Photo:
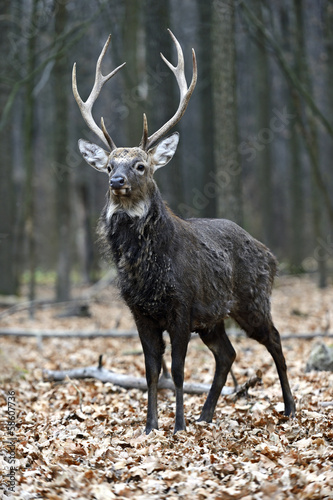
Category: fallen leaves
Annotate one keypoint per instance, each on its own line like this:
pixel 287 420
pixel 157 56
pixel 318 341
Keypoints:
pixel 84 439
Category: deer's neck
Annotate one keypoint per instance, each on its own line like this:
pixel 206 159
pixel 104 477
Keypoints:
pixel 147 223
pixel 142 249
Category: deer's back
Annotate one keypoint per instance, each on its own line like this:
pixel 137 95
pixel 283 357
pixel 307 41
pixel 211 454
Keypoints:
pixel 230 242
pixel 233 271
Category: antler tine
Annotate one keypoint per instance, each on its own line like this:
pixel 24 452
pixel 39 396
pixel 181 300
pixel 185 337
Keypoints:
pixel 185 92
pixel 179 70
pixel 107 136
pixel 86 106
pixel 144 139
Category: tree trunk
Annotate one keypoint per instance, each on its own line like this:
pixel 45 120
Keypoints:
pixel 8 276
pixel 296 248
pixel 264 159
pixel 297 201
pixel 62 179
pixel 310 134
pixel 206 121
pixel 131 75
pixel 227 164
pixel 29 105
pixel 328 146
pixel 85 242
pixel 162 92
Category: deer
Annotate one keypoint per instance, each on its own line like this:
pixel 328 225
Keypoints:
pixel 178 275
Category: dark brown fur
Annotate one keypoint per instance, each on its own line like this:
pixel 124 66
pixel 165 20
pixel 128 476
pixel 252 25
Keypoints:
pixel 189 275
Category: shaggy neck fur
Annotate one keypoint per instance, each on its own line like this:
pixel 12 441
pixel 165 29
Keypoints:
pixel 138 209
pixel 139 246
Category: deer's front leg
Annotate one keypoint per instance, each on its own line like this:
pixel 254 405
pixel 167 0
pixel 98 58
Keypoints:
pixel 153 348
pixel 179 345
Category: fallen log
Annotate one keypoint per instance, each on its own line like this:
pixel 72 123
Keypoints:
pixel 125 381
pixel 131 382
pixel 83 334
pixel 115 333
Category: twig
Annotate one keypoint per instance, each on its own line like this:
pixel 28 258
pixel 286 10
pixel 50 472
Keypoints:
pixel 73 37
pixel 68 379
pixel 290 74
pixel 243 389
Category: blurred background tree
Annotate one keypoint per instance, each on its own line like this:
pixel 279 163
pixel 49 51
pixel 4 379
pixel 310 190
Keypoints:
pixel 256 141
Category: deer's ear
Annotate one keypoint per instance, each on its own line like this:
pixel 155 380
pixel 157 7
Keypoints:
pixel 161 154
pixel 95 156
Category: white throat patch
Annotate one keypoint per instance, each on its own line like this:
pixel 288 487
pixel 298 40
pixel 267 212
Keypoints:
pixel 139 209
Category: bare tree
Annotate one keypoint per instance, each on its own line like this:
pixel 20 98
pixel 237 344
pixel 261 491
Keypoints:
pixel 8 276
pixel 309 131
pixel 63 208
pixel 159 103
pixel 227 164
pixel 264 161
pixel 205 91
pixel 291 46
pixel 29 160
pixel 131 54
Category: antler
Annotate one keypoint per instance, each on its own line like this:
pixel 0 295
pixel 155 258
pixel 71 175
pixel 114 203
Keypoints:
pixel 185 95
pixel 86 107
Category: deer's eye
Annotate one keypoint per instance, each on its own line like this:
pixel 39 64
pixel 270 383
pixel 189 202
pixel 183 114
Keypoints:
pixel 140 167
pixel 109 168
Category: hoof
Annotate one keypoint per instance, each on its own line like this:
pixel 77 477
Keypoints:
pixel 179 427
pixel 150 428
pixel 204 418
pixel 179 430
pixel 290 410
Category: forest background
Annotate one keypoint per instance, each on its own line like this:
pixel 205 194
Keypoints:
pixel 255 143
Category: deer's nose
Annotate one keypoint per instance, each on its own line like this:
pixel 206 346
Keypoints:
pixel 117 181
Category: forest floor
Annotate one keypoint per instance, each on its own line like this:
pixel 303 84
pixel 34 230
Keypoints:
pixel 82 439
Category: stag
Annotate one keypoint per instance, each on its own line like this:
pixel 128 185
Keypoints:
pixel 177 275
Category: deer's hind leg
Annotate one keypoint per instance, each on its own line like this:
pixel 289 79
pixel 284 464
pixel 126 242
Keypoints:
pixel 261 328
pixel 218 342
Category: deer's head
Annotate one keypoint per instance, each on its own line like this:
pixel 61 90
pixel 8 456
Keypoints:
pixel 131 170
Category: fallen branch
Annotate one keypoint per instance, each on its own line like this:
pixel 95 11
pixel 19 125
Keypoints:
pixel 305 336
pixel 17 332
pixel 115 333
pixel 242 390
pixel 41 304
pixel 125 381
pixel 87 295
